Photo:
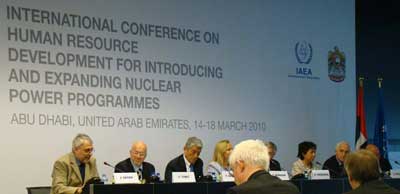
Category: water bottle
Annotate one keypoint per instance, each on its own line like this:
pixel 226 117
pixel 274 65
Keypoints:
pixel 306 174
pixel 104 178
pixel 158 176
pixel 155 178
pixel 214 177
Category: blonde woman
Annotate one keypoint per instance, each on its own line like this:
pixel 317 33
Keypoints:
pixel 220 159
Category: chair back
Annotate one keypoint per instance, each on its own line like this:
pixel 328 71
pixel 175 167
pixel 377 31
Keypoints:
pixel 39 190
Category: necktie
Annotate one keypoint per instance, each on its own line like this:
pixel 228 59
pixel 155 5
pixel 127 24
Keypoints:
pixel 191 168
pixel 140 174
pixel 82 171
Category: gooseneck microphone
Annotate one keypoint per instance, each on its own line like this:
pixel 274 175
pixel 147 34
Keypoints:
pixel 115 168
pixel 319 164
pixel 331 170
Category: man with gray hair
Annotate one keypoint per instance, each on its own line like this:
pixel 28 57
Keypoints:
pixel 335 163
pixel 73 170
pixel 189 161
pixel 249 161
pixel 273 164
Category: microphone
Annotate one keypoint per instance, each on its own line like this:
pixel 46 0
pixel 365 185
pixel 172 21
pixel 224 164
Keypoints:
pixel 338 174
pixel 396 162
pixel 115 168
pixel 319 164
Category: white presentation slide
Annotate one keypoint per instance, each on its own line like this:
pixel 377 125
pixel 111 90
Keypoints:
pixel 162 71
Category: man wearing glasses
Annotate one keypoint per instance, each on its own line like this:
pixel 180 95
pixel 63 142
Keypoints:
pixel 73 170
pixel 136 162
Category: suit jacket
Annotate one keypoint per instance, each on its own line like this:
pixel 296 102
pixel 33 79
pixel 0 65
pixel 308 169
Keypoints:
pixel 67 177
pixel 374 187
pixel 126 166
pixel 384 164
pixel 261 182
pixel 274 165
pixel 336 170
pixel 178 165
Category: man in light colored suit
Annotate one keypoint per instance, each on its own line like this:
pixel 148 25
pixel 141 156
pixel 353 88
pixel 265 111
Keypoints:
pixel 71 171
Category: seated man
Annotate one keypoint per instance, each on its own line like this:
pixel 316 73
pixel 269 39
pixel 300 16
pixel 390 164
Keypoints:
pixel 335 163
pixel 73 170
pixel 273 164
pixel 383 163
pixel 136 162
pixel 189 161
pixel 362 168
pixel 249 161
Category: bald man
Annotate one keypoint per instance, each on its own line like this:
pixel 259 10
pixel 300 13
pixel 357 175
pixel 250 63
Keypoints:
pixel 383 163
pixel 136 162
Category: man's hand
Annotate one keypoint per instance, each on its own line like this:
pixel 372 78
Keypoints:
pixel 79 190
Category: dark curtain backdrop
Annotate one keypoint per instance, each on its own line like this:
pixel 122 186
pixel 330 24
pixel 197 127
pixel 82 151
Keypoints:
pixel 378 54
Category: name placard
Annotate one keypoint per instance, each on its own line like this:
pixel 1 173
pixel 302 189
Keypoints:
pixel 183 177
pixel 126 177
pixel 395 174
pixel 283 175
pixel 320 174
pixel 227 176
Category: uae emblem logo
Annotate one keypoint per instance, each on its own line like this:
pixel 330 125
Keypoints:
pixel 336 65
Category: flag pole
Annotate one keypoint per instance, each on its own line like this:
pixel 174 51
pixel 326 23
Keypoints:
pixel 360 81
pixel 380 82
pixel 380 134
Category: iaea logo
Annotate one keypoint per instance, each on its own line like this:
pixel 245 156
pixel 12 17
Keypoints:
pixel 304 52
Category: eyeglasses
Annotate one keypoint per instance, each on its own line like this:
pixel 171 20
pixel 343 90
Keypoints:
pixel 88 150
pixel 141 154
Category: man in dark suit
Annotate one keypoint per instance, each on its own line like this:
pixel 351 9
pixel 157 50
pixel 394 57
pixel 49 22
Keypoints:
pixel 362 169
pixel 189 161
pixel 384 164
pixel 248 160
pixel 273 164
pixel 136 162
pixel 335 163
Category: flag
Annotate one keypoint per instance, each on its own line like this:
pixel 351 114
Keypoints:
pixel 380 136
pixel 361 129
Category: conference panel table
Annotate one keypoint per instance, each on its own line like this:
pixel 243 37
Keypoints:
pixel 333 186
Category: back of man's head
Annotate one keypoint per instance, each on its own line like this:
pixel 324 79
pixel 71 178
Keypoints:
pixel 362 166
pixel 251 152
